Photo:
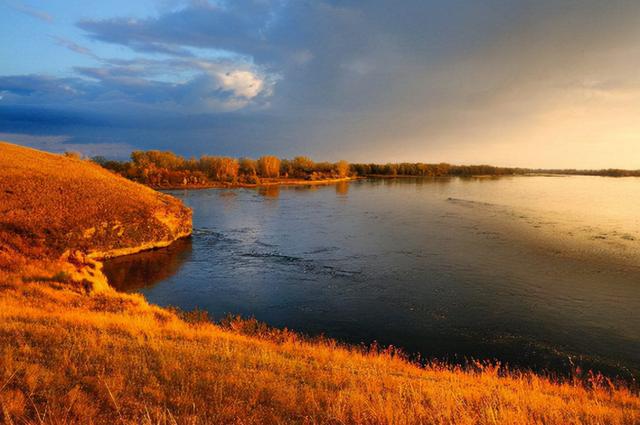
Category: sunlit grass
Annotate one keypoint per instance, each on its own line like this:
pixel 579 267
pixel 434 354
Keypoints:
pixel 69 357
pixel 50 204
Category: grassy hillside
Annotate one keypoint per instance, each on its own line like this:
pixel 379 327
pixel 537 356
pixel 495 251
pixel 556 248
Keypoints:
pixel 76 353
pixel 52 206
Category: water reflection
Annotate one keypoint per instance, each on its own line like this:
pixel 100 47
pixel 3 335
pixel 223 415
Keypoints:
pixel 145 269
pixel 271 191
pixel 342 188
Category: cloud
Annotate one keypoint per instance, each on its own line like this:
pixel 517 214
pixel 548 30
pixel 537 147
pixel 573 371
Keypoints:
pixel 201 81
pixel 27 87
pixel 429 80
pixel 236 26
pixel 73 46
pixel 30 11
pixel 197 85
pixel 241 83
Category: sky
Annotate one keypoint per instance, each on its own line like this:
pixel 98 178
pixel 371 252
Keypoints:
pixel 527 83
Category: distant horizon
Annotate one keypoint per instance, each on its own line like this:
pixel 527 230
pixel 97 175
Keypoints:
pixel 454 163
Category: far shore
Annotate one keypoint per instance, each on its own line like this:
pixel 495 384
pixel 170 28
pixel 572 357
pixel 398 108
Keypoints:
pixel 265 182
pixel 472 176
pixel 320 182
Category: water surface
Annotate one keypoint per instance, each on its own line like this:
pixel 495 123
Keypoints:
pixel 540 272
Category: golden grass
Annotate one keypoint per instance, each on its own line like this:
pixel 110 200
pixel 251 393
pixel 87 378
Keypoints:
pixel 50 204
pixel 72 354
pixel 68 357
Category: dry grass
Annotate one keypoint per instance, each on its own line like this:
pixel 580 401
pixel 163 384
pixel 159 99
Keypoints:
pixel 72 354
pixel 50 204
pixel 66 357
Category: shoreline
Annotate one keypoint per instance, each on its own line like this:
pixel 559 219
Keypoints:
pixel 323 182
pixel 268 183
pixel 532 174
pixel 472 176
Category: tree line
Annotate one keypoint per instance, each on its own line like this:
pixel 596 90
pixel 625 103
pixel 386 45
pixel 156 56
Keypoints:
pixel 420 169
pixel 158 168
pixel 163 168
pixel 609 172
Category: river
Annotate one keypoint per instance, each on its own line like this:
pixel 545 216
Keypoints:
pixel 534 271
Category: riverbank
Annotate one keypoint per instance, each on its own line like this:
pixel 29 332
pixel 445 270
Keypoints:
pixel 265 182
pixel 74 351
pixel 470 176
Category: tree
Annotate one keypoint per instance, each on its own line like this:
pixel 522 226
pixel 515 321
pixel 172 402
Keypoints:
pixel 166 159
pixel 302 166
pixel 443 169
pixel 248 167
pixel 219 168
pixel 100 160
pixel 269 166
pixel 228 169
pixel 391 169
pixel 342 168
pixel 286 168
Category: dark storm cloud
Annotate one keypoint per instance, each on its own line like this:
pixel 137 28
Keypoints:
pixel 207 86
pixel 238 26
pixel 342 53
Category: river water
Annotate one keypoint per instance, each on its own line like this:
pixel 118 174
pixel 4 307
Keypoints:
pixel 538 272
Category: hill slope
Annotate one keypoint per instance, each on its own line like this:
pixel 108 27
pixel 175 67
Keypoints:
pixel 52 206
